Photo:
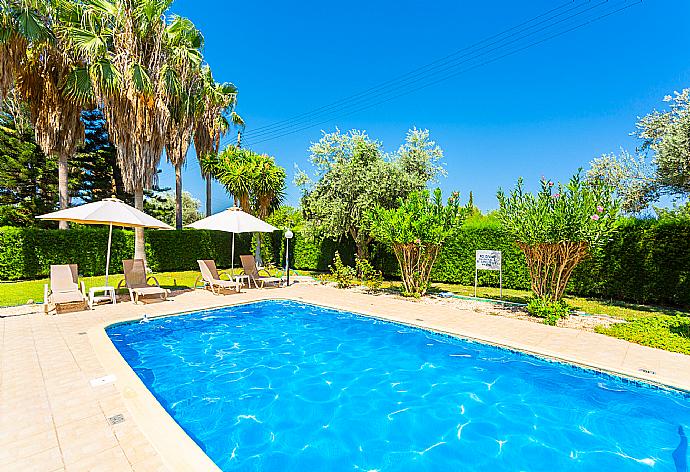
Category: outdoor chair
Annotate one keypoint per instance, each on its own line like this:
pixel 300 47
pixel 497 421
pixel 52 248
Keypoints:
pixel 138 283
pixel 212 280
pixel 253 273
pixel 64 290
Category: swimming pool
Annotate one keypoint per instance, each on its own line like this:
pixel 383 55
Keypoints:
pixel 281 385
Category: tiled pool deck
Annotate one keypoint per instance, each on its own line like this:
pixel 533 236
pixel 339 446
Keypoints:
pixel 52 419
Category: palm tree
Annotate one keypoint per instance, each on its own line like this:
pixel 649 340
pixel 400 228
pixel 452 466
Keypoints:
pixel 185 43
pixel 35 61
pixel 217 100
pixel 131 72
pixel 254 180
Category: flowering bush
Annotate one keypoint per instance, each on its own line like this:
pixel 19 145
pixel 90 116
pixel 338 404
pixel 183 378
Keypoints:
pixel 557 230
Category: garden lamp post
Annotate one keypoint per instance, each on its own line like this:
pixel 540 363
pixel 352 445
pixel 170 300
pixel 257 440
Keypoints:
pixel 288 236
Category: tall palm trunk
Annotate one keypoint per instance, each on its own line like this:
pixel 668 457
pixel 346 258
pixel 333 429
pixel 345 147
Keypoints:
pixel 178 195
pixel 208 195
pixel 139 242
pixel 63 191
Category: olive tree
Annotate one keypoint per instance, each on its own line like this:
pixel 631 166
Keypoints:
pixel 661 165
pixel 353 175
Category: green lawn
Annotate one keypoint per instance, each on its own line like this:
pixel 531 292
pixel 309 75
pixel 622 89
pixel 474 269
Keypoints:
pixel 18 293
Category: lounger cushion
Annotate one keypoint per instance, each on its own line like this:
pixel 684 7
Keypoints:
pixel 225 283
pixel 67 297
pixel 269 280
pixel 149 290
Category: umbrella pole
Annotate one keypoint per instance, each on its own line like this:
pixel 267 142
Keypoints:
pixel 232 259
pixel 107 259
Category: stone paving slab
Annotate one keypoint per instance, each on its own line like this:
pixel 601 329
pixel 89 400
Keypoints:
pixel 52 419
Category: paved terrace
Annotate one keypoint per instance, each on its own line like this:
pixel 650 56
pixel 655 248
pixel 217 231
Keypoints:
pixel 53 419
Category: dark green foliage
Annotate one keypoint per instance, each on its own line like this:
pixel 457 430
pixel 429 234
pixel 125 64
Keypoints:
pixel 550 310
pixel 312 254
pixel 179 250
pixel 647 261
pixel 27 253
pixel 671 333
pixel 28 179
pixel 94 173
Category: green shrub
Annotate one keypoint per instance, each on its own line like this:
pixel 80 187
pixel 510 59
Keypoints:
pixel 369 277
pixel 671 333
pixel 416 231
pixel 344 275
pixel 550 310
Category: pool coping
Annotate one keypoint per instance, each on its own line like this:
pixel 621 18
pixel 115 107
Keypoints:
pixel 179 451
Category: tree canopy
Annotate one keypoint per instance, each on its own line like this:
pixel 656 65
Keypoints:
pixel 162 205
pixel 352 175
pixel 661 164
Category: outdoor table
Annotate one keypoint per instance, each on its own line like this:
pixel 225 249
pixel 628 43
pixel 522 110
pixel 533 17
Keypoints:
pixel 108 295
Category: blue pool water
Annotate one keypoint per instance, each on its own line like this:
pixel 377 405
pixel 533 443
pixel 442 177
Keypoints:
pixel 285 386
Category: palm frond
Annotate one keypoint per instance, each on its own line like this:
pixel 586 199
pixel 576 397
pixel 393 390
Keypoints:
pixel 141 80
pixel 77 86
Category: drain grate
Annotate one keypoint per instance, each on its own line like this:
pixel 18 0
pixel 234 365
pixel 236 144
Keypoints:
pixel 647 371
pixel 116 419
pixel 82 333
pixel 419 319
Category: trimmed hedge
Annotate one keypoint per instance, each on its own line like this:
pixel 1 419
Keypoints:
pixel 27 253
pixel 647 261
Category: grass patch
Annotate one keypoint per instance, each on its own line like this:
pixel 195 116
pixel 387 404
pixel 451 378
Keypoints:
pixel 18 293
pixel 671 333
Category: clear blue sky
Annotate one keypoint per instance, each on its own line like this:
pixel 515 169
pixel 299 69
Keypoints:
pixel 544 111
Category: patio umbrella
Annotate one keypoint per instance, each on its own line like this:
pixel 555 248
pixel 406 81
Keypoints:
pixel 109 211
pixel 233 220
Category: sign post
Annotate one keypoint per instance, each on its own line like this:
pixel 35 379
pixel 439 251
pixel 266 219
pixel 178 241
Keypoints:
pixel 488 260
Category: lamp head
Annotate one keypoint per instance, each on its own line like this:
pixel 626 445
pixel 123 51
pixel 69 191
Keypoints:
pixel 289 234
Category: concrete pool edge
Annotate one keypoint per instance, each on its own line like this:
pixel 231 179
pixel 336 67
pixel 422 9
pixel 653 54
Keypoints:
pixel 176 448
pixel 180 452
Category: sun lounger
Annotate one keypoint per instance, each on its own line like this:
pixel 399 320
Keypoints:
pixel 253 275
pixel 64 290
pixel 138 283
pixel 211 278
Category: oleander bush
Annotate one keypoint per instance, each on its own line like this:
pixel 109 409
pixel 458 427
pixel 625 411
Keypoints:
pixel 416 231
pixel 557 228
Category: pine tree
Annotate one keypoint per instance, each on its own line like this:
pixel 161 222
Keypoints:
pixel 28 179
pixel 95 170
